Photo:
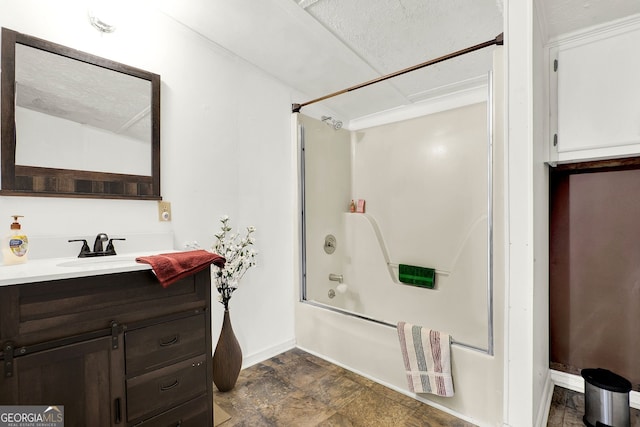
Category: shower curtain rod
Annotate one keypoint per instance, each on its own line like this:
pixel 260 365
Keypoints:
pixel 498 41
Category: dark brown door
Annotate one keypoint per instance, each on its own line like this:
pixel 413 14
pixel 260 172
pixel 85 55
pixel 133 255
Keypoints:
pixel 77 376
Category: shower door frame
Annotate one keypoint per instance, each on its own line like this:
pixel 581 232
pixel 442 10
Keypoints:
pixel 489 350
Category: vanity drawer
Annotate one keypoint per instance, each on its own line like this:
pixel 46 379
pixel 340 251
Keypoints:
pixel 165 343
pixel 195 413
pixel 150 393
pixel 46 311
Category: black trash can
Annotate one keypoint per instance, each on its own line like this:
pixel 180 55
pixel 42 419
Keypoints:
pixel 606 398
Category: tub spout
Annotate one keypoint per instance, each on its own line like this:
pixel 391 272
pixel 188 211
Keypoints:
pixel 335 277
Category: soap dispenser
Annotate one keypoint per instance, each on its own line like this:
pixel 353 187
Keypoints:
pixel 15 245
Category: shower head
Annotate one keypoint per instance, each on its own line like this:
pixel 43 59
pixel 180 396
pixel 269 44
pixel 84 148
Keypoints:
pixel 330 121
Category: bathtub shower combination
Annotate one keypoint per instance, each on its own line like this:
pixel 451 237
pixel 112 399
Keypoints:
pixel 397 219
pixel 427 186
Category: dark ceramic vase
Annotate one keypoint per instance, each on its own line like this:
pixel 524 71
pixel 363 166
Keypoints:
pixel 227 359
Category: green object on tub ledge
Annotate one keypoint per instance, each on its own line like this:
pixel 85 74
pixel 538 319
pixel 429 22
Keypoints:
pixel 417 276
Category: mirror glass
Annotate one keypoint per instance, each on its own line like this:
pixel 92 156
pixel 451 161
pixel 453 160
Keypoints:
pixel 74 115
pixel 75 124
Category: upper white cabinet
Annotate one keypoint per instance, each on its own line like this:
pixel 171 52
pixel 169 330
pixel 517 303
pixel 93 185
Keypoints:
pixel 595 94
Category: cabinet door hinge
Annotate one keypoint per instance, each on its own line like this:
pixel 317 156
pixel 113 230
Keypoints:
pixel 555 139
pixel 555 65
pixel 116 330
pixel 7 350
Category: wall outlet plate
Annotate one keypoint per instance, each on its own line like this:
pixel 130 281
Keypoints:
pixel 164 211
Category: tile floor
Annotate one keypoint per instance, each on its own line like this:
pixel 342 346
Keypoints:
pixel 567 409
pixel 298 389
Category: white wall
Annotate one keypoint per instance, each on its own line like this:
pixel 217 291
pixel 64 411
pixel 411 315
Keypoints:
pixel 226 149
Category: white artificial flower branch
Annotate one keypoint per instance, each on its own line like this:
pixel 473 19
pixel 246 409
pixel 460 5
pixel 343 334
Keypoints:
pixel 239 254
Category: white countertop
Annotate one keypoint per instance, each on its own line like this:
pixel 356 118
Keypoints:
pixel 40 270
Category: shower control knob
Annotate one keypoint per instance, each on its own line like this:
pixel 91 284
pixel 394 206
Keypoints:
pixel 329 244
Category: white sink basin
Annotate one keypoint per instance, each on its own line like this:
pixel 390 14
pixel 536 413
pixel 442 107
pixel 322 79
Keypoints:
pixel 95 261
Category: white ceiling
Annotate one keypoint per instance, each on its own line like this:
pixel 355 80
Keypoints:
pixel 323 46
pixel 559 17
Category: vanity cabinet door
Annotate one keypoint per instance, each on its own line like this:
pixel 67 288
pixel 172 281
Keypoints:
pixel 78 376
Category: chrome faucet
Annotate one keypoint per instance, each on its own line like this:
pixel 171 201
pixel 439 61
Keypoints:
pixel 97 246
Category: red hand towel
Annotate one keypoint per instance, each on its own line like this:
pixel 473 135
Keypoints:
pixel 171 267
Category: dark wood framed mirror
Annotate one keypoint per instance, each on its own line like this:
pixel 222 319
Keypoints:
pixel 76 125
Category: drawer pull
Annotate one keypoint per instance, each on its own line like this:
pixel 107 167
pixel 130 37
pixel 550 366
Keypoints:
pixel 169 342
pixel 118 411
pixel 169 387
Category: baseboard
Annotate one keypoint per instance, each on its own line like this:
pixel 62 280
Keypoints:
pixel 545 402
pixel 267 353
pixel 569 381
pixel 576 383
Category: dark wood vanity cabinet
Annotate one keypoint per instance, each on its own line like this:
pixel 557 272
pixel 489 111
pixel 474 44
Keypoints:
pixel 115 350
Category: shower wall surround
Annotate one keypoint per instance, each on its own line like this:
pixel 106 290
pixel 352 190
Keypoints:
pixel 425 182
